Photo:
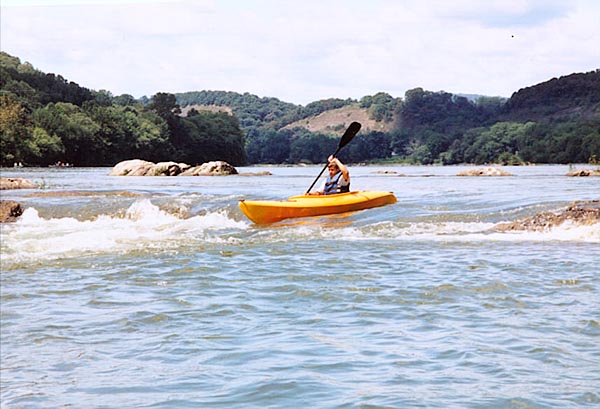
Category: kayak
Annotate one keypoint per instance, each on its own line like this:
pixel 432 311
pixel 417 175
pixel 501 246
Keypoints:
pixel 271 211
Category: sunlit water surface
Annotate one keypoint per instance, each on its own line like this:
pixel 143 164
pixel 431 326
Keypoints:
pixel 157 292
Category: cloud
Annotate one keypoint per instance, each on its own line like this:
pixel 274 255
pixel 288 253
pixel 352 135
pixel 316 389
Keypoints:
pixel 507 13
pixel 304 51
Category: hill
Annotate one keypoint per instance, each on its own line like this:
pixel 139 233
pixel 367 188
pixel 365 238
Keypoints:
pixel 556 121
pixel 575 96
pixel 335 121
pixel 44 118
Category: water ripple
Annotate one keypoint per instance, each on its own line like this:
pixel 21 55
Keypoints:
pixel 172 299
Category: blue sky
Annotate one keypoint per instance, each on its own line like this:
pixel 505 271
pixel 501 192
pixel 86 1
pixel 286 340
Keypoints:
pixel 303 51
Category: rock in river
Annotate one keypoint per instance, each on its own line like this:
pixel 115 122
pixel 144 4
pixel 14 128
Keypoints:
pixel 215 168
pixel 16 183
pixel 138 167
pixel 584 172
pixel 488 171
pixel 580 212
pixel 9 211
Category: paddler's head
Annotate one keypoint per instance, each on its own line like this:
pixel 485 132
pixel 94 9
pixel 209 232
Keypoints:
pixel 333 168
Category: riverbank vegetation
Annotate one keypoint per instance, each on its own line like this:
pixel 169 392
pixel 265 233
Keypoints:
pixel 45 118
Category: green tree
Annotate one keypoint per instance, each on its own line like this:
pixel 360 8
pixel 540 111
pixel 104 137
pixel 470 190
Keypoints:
pixel 20 140
pixel 129 132
pixel 367 146
pixel 165 105
pixel 77 131
pixel 498 143
pixel 15 129
pixel 312 148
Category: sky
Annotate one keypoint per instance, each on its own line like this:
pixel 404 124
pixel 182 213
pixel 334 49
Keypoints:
pixel 301 51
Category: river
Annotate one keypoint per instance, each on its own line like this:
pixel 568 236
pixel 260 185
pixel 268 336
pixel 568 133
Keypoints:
pixel 157 292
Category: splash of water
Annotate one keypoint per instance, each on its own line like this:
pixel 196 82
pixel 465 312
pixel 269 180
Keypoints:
pixel 142 226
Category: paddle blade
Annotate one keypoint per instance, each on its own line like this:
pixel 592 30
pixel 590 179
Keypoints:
pixel 349 134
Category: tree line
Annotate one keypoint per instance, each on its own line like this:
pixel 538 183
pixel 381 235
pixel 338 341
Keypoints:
pixel 45 118
pixel 554 122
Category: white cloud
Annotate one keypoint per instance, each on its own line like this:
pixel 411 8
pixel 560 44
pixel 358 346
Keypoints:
pixel 305 51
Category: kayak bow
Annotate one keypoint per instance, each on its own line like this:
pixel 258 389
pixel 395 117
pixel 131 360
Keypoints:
pixel 271 211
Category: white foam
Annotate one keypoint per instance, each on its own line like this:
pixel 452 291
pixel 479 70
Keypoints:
pixel 144 225
pixel 463 232
pixel 457 231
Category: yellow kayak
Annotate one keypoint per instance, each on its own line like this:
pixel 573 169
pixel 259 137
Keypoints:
pixel 270 211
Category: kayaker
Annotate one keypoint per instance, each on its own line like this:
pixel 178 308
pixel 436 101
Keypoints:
pixel 338 180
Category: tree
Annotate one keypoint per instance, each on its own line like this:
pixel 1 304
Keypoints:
pixel 368 146
pixel 15 128
pixel 129 132
pixel 77 131
pixel 165 105
pixel 498 143
pixel 20 140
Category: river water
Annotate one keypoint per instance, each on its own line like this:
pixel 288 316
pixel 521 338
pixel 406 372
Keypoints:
pixel 157 292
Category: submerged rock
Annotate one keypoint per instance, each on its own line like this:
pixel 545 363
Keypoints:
pixel 85 193
pixel 385 172
pixel 9 211
pixel 16 183
pixel 488 171
pixel 261 173
pixel 580 212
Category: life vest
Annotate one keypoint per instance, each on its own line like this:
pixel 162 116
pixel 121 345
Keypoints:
pixel 332 185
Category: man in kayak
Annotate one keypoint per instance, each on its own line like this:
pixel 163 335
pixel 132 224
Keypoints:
pixel 338 180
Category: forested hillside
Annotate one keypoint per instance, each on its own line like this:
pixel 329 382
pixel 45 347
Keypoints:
pixel 557 121
pixel 44 118
pixel 572 97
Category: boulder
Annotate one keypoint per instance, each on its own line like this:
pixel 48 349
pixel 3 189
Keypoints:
pixel 184 166
pixel 133 167
pixel 165 169
pixel 580 212
pixel 16 183
pixel 584 172
pixel 215 168
pixel 138 167
pixel 488 171
pixel 9 211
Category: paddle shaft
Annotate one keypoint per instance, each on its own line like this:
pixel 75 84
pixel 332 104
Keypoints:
pixel 347 137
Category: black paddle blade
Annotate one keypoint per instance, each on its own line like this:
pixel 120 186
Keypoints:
pixel 349 134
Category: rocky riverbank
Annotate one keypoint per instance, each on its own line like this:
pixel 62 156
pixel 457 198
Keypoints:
pixel 580 213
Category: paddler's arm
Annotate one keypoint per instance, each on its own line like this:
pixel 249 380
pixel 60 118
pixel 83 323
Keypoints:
pixel 341 166
pixel 318 192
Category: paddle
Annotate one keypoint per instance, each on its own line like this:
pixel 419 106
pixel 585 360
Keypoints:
pixel 346 137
